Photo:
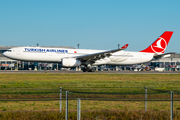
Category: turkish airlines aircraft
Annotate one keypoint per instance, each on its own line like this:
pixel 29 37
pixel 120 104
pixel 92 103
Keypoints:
pixel 77 57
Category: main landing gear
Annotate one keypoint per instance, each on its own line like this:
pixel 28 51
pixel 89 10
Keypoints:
pixel 88 69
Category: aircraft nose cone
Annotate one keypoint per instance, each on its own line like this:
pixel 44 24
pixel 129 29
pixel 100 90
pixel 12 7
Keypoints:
pixel 4 53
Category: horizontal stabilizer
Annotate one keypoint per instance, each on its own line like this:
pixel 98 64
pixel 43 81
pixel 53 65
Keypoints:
pixel 158 56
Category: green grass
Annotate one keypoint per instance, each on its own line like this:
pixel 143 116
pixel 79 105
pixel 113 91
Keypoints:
pixel 126 86
pixel 91 115
pixel 89 80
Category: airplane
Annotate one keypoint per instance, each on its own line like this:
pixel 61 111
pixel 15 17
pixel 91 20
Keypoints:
pixel 77 57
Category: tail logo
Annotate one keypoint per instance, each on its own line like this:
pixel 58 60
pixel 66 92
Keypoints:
pixel 159 46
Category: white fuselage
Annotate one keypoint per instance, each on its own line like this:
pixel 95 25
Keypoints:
pixel 43 54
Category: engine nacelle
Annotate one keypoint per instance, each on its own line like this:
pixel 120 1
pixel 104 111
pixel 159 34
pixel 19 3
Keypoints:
pixel 70 62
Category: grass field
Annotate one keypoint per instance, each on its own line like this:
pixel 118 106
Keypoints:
pixel 108 86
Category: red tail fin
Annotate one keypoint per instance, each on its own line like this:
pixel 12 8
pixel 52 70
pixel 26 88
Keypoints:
pixel 159 46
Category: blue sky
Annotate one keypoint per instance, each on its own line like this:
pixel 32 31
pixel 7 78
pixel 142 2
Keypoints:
pixel 94 24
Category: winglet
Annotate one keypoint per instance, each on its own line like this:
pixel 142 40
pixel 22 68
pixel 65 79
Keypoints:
pixel 125 46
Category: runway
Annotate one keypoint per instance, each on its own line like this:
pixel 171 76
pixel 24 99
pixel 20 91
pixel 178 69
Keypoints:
pixel 80 72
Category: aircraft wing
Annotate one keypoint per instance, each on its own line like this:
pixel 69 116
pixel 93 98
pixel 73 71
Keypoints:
pixel 156 56
pixel 96 56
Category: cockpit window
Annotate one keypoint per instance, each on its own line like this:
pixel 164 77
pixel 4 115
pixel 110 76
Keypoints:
pixel 9 50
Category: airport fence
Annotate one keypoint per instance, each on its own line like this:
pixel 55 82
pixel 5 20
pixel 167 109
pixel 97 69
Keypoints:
pixel 129 94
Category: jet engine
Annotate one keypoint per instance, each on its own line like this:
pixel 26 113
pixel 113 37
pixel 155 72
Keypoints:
pixel 70 62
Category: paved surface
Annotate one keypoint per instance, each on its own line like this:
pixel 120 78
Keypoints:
pixel 97 72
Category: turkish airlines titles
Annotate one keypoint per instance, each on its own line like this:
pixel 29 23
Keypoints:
pixel 45 50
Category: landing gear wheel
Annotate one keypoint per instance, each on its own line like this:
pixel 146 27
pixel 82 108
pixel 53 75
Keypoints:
pixel 84 69
pixel 87 69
